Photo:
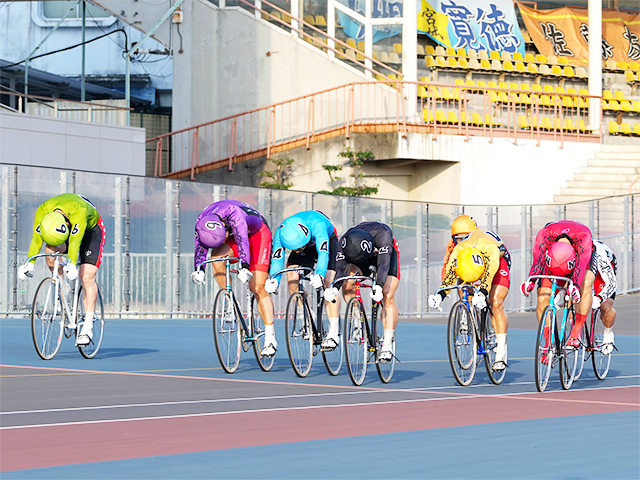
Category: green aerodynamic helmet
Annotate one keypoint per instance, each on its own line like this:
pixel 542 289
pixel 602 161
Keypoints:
pixel 54 229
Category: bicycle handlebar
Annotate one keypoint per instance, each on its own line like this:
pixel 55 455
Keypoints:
pixel 292 269
pixel 460 286
pixel 219 259
pixel 362 278
pixel 553 277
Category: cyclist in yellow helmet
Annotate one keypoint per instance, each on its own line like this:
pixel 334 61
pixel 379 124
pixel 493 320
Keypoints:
pixel 462 226
pixel 482 256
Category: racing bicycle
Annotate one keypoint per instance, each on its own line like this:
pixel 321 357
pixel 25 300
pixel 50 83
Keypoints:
pixel 592 346
pixel 53 314
pixel 304 332
pixel 551 341
pixel 363 339
pixel 234 329
pixel 470 336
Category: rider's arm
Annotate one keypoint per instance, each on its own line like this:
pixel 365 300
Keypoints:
pixel 199 255
pixel 583 245
pixel 236 221
pixel 447 254
pixel 36 239
pixel 384 243
pixel 450 277
pixel 491 254
pixel 277 256
pixel 544 239
pixel 320 236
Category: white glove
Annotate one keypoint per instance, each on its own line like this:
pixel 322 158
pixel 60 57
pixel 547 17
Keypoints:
pixel 596 302
pixel 479 300
pixel 435 301
pixel 244 275
pixel 317 281
pixel 71 271
pixel 25 270
pixel 330 294
pixel 376 293
pixel 197 277
pixel 271 285
pixel 575 293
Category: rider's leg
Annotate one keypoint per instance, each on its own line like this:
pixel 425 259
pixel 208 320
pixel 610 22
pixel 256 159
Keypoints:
pixel 333 308
pixel 390 319
pixel 583 308
pixel 608 315
pixel 87 273
pixel 265 305
pixel 500 320
pixel 544 296
pixel 50 260
pixel 219 268
pixel 349 286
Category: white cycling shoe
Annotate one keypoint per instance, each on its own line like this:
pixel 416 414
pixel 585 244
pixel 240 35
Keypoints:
pixel 329 344
pixel 269 351
pixel 608 343
pixel 385 356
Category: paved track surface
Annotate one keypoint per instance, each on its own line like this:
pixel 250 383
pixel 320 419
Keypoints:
pixel 155 404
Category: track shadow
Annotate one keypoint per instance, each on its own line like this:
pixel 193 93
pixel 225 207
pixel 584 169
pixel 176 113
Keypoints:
pixel 124 352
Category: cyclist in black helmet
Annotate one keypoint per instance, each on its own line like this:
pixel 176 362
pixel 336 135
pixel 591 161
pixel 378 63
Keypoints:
pixel 366 244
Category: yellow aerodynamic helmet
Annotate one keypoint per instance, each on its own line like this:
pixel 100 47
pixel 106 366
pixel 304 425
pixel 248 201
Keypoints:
pixel 470 265
pixel 463 224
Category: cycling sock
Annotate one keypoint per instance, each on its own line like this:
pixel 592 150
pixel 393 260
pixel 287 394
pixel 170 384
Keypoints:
pixel 270 334
pixel 388 337
pixel 576 331
pixel 501 347
pixel 87 328
pixel 334 326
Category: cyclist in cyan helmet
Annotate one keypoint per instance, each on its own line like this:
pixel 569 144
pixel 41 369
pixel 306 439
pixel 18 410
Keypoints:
pixel 372 244
pixel 462 226
pixel 482 256
pixel 547 254
pixel 69 223
pixel 313 241
pixel 233 228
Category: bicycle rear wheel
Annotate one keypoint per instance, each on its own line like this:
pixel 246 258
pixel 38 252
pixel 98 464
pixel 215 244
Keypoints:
pixel 544 349
pixel 462 344
pixel 333 359
pixel 356 341
pixel 490 344
pixel 47 319
pixel 226 331
pixel 299 330
pixel 90 351
pixel 386 369
pixel 569 360
pixel 257 327
pixel 582 353
pixel 600 361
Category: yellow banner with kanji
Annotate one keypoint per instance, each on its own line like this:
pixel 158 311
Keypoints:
pixel 564 32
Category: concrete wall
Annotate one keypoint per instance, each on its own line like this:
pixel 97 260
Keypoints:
pixel 52 142
pixel 225 69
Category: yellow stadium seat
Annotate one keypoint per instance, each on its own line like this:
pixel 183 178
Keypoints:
pixel 484 64
pixel 505 56
pixel 629 76
pixel 514 86
pixel 544 69
pixel 520 67
pixel 392 76
pixel 517 57
pixel 430 50
pixel 563 61
pixel 607 95
pixel 581 72
pixel 636 128
pixel 420 50
pixel 635 66
pixel 451 62
pixel 625 106
pixel 582 126
pixel 503 97
pixel 529 57
pixel 397 47
pixel 394 58
pixel 583 91
pixel 534 123
pixel 541 59
pixel 560 89
pixel 441 62
pixel 496 65
pixel 558 124
pixel 623 65
pixel 568 71
pixel 309 19
pixel 441 51
pixel 384 57
pixel 552 60
pixel 463 63
pixel 536 87
pixel 320 21
pixel 635 106
pixel 472 53
pixel 525 86
pixel 452 118
pixel 481 84
pixel 350 54
pixel 549 89
pixel 605 105
pixel 567 102
pixel 425 79
pixel 494 54
pixel 492 84
pixel 445 94
pixel 625 129
pixel 427 116
pixel 474 63
pixel 451 52
pixel 545 124
pixel 459 81
pixel 532 68
pixel 422 91
pixel 503 85
pixel 610 65
pixel 572 91
pixel 578 102
pixel 618 95
pixel 352 43
pixel 429 61
pixel 455 94
pixel 483 55
pixel 286 18
pixel 568 123
pixel 507 65
pixel 545 101
pixel 523 123
pixel 476 119
pixel 493 96
pixel 361 45
pixel 613 105
pixel 489 120
pixel 556 70
pixel 461 52
pixel 440 117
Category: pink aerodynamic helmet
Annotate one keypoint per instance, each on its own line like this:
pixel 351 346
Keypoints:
pixel 561 258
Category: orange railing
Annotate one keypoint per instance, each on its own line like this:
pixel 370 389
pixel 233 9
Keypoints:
pixel 375 107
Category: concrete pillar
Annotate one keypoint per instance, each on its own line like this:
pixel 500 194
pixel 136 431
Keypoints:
pixel 595 62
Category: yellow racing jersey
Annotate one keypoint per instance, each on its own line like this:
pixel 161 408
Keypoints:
pixel 490 246
pixel 80 212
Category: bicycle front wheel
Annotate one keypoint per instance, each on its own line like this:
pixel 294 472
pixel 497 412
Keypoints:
pixel 47 319
pixel 385 369
pixel 297 324
pixel 90 351
pixel 333 359
pixel 462 344
pixel 356 341
pixel 490 344
pixel 601 362
pixel 569 360
pixel 257 327
pixel 544 349
pixel 226 331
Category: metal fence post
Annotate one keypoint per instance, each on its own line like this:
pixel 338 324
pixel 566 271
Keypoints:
pixel 127 246
pixel 216 193
pixel 14 231
pixel 344 212
pixel 523 253
pixel 168 246
pixel 177 282
pixel 63 182
pixel 490 219
pixel 592 218
pixel 383 212
pixel 303 202
pixel 633 236
pixel 427 250
pixel 419 258
pixel 4 240
pixel 625 247
pixel 117 244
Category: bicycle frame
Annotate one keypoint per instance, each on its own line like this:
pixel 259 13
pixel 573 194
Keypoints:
pixel 480 324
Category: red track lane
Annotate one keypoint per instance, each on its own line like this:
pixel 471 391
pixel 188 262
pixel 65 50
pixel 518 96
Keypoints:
pixel 47 446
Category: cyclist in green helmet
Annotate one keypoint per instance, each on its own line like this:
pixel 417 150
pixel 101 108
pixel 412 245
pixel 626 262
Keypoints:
pixel 69 223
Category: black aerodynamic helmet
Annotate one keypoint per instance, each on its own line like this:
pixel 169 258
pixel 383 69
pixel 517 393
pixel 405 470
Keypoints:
pixel 357 245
